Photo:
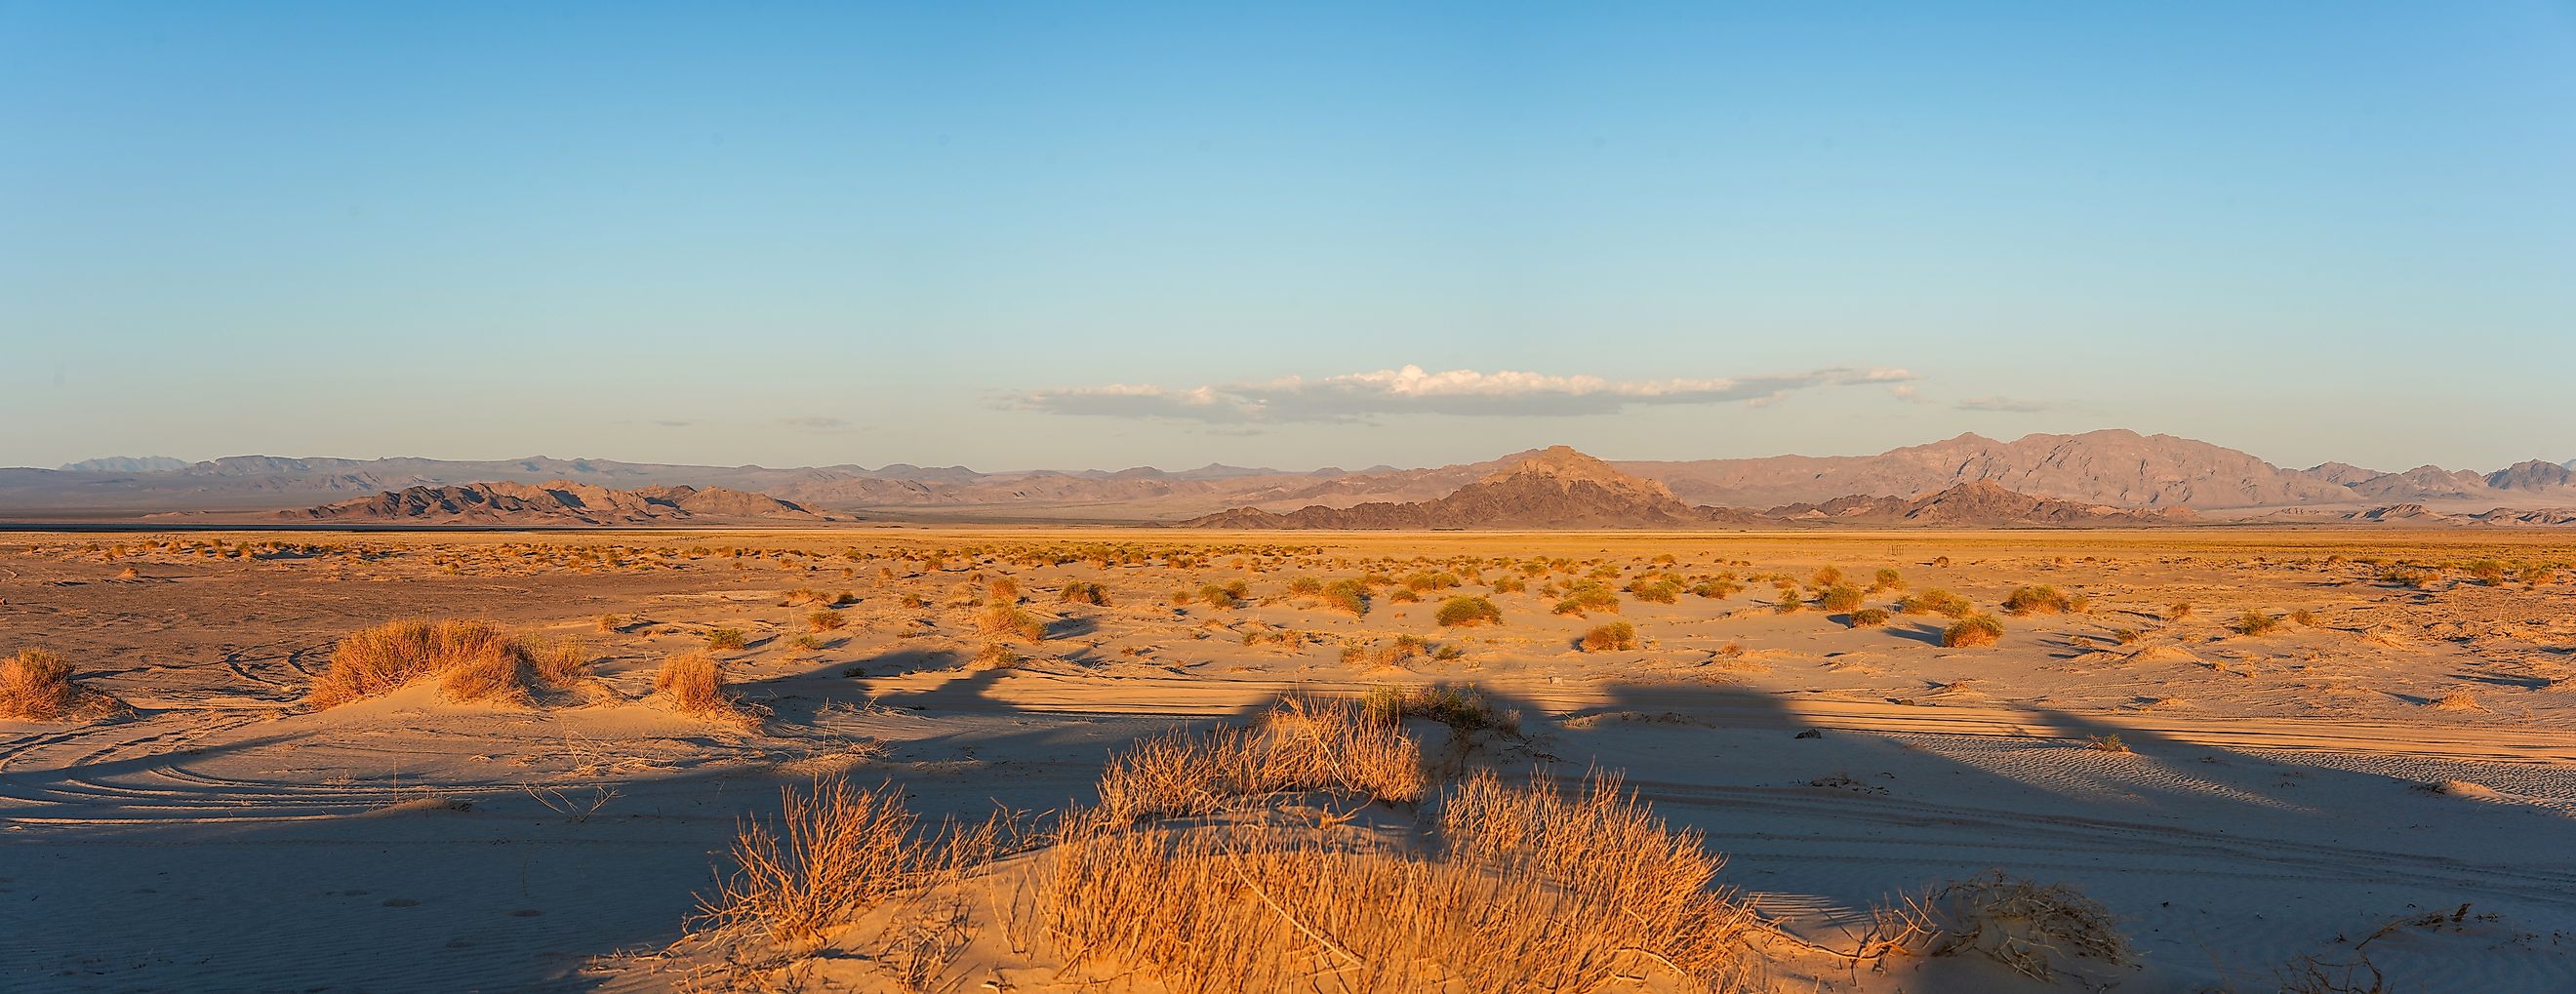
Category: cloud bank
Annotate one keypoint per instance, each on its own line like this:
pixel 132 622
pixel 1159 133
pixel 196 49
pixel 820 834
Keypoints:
pixel 1410 390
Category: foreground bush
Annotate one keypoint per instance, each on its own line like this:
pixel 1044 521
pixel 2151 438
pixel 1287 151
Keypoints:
pixel 1465 612
pixel 472 661
pixel 1529 890
pixel 36 685
pixel 834 854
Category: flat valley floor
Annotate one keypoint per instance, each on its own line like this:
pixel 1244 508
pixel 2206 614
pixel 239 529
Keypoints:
pixel 2386 772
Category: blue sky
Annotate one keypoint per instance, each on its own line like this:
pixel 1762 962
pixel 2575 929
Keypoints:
pixel 1047 236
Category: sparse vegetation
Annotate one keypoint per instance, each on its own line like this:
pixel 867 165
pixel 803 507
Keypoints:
pixel 1868 617
pixel 726 640
pixel 1586 597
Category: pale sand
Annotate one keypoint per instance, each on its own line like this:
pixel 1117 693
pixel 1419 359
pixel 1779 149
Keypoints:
pixel 2287 791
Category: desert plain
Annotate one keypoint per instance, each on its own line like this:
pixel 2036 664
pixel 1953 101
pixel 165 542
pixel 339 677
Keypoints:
pixel 2193 760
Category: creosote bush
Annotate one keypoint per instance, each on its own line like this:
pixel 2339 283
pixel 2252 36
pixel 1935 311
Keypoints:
pixel 1868 617
pixel 1617 636
pixel 1974 630
pixel 1347 596
pixel 1839 597
pixel 2255 623
pixel 1467 612
pixel 1936 601
pixel 1587 596
pixel 1084 592
pixel 726 640
pixel 2037 600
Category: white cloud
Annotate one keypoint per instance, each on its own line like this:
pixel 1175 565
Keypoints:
pixel 1411 390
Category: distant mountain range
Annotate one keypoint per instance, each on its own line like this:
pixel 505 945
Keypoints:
pixel 1558 487
pixel 560 503
pixel 2110 469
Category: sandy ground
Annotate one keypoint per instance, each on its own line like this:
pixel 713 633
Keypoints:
pixel 2408 751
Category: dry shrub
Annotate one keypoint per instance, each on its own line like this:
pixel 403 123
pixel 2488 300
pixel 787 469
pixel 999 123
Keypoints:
pixel 726 639
pixel 1300 745
pixel 1868 617
pixel 2255 623
pixel 2127 636
pixel 2025 926
pixel 1003 589
pixel 834 854
pixel 1974 630
pixel 826 620
pixel 472 660
pixel 1839 598
pixel 995 656
pixel 1004 621
pixel 2458 700
pixel 36 685
pixel 1084 592
pixel 1532 891
pixel 1463 709
pixel 2037 600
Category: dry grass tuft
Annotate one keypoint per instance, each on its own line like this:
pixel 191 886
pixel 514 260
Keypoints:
pixel 1533 890
pixel 693 684
pixel 2255 623
pixel 835 853
pixel 1084 592
pixel 1300 745
pixel 2457 700
pixel 2031 928
pixel 472 661
pixel 36 685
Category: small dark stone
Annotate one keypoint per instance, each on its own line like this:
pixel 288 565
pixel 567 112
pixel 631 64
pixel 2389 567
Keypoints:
pixel 1811 734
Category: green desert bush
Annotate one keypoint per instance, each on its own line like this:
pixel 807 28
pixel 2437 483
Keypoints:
pixel 1348 596
pixel 1840 597
pixel 1465 612
pixel 2037 600
pixel 726 639
pixel 1586 597
pixel 1936 601
pixel 2255 623
pixel 1974 630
